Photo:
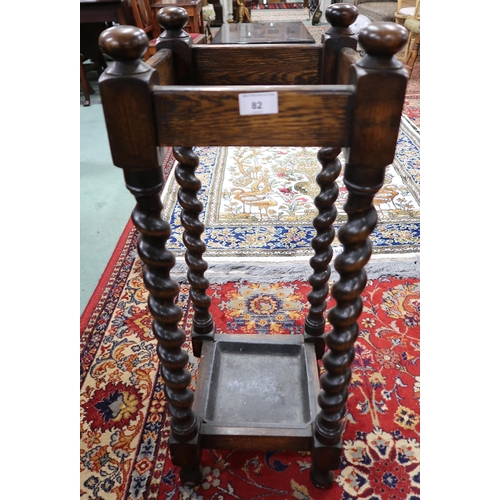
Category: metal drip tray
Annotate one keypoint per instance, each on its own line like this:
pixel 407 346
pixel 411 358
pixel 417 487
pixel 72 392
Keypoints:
pixel 252 388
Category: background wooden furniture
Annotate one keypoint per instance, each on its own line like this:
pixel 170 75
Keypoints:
pixel 405 9
pixel 145 19
pixel 94 16
pixel 328 97
pixel 91 56
pixel 284 32
pixel 96 11
pixel 143 16
pixel 377 11
pixel 87 88
pixel 412 24
pixel 218 15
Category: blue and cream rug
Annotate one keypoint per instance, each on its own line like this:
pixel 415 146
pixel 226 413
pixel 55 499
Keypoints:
pixel 259 202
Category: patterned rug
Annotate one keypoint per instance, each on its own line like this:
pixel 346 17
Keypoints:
pixel 125 422
pixel 411 107
pixel 259 202
pixel 282 15
pixel 279 5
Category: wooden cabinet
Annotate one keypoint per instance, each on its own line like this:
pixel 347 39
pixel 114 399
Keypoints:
pixel 193 7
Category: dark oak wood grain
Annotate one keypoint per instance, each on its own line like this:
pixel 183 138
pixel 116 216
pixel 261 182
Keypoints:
pixel 163 62
pixel 188 95
pixel 346 60
pixel 304 118
pixel 271 65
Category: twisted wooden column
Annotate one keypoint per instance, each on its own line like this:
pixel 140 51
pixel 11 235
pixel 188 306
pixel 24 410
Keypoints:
pixel 314 327
pixel 362 219
pixel 337 37
pixel 380 83
pixel 203 325
pixel 163 291
pixel 126 88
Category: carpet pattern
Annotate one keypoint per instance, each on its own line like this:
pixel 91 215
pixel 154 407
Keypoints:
pixel 260 201
pixel 279 5
pixel 124 416
pixel 281 15
pixel 411 107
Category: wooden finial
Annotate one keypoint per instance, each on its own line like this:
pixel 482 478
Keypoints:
pixel 381 41
pixel 124 43
pixel 341 15
pixel 173 19
pixel 339 35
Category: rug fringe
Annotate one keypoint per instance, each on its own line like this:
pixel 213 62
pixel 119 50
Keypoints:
pixel 269 272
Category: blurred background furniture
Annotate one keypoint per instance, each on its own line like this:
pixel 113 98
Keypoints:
pixel 219 15
pixel 208 16
pixel 145 19
pixel 377 11
pixel 95 11
pixel 257 33
pixel 143 16
pixel 406 9
pixel 95 17
pixel 87 88
pixel 412 24
pixel 91 56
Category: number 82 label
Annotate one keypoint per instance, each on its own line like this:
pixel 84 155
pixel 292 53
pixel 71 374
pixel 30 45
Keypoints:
pixel 259 103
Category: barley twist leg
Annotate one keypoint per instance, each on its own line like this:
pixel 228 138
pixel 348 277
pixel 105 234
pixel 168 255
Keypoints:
pixel 328 427
pixel 203 325
pixel 163 291
pixel 314 327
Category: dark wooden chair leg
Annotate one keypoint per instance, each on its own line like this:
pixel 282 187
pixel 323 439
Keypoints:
pixel 412 56
pixel 203 325
pixel 87 88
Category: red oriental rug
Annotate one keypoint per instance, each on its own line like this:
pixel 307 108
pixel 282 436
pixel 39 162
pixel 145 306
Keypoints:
pixel 279 5
pixel 124 416
pixel 412 97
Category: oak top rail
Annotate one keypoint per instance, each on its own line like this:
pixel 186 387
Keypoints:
pixel 308 115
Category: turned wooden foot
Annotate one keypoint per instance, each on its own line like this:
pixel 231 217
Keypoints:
pixel 321 479
pixel 191 476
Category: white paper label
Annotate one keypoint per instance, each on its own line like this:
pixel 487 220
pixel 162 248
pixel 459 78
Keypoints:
pixel 260 103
